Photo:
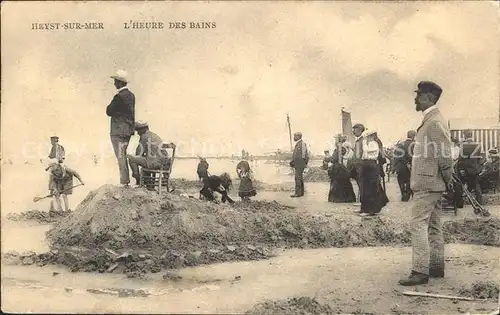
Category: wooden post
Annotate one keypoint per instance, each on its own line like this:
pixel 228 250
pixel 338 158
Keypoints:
pixel 159 182
pixel 289 131
pixel 441 296
pixel 168 181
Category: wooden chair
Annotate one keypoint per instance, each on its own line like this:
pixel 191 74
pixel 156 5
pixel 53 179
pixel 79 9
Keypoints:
pixel 155 179
pixel 158 179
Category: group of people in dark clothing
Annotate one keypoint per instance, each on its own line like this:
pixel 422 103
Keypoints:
pixel 490 173
pixel 365 164
pixel 478 171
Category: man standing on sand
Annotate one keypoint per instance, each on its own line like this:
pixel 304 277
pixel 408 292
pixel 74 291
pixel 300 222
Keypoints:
pixel 431 175
pixel 402 164
pixel 299 162
pixel 358 130
pixel 57 151
pixel 122 113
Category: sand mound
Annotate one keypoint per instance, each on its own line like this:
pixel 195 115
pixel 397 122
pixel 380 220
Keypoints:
pixel 137 231
pixel 38 216
pixel 142 232
pixel 186 184
pixel 119 219
pixel 296 305
pixel 316 174
pixel 479 231
pixel 481 290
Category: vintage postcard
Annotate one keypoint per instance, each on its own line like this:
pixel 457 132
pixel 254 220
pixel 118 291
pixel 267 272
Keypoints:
pixel 258 157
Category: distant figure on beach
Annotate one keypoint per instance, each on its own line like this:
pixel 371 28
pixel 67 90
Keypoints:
pixel 246 189
pixel 220 184
pixel 326 160
pixel 299 162
pixel 61 184
pixel 57 153
pixel 202 169
pixel 122 113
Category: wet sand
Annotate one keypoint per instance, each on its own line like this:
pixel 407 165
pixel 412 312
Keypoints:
pixel 350 279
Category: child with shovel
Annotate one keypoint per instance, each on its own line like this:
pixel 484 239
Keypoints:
pixel 61 183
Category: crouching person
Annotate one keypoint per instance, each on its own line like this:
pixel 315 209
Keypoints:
pixel 151 152
pixel 218 184
pixel 61 184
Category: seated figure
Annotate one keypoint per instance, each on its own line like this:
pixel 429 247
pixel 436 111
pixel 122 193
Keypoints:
pixel 151 152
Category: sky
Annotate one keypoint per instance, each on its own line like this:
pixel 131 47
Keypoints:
pixel 217 91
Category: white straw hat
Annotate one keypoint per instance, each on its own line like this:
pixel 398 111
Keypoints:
pixel 121 75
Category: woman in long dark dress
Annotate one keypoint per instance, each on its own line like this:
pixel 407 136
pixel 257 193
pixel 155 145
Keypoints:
pixel 373 198
pixel 246 189
pixel 341 189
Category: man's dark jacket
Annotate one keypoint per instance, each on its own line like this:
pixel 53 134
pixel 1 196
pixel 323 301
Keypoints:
pixel 300 157
pixel 403 156
pixel 122 113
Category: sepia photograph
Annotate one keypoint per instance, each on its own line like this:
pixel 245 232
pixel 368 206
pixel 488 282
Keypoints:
pixel 250 157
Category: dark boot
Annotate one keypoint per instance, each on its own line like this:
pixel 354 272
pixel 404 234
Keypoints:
pixel 436 273
pixel 415 278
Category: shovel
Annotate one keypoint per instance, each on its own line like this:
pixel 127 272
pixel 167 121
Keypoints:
pixel 35 199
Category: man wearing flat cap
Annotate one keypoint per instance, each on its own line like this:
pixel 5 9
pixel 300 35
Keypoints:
pixel 431 175
pixel 299 162
pixel 150 152
pixel 122 113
